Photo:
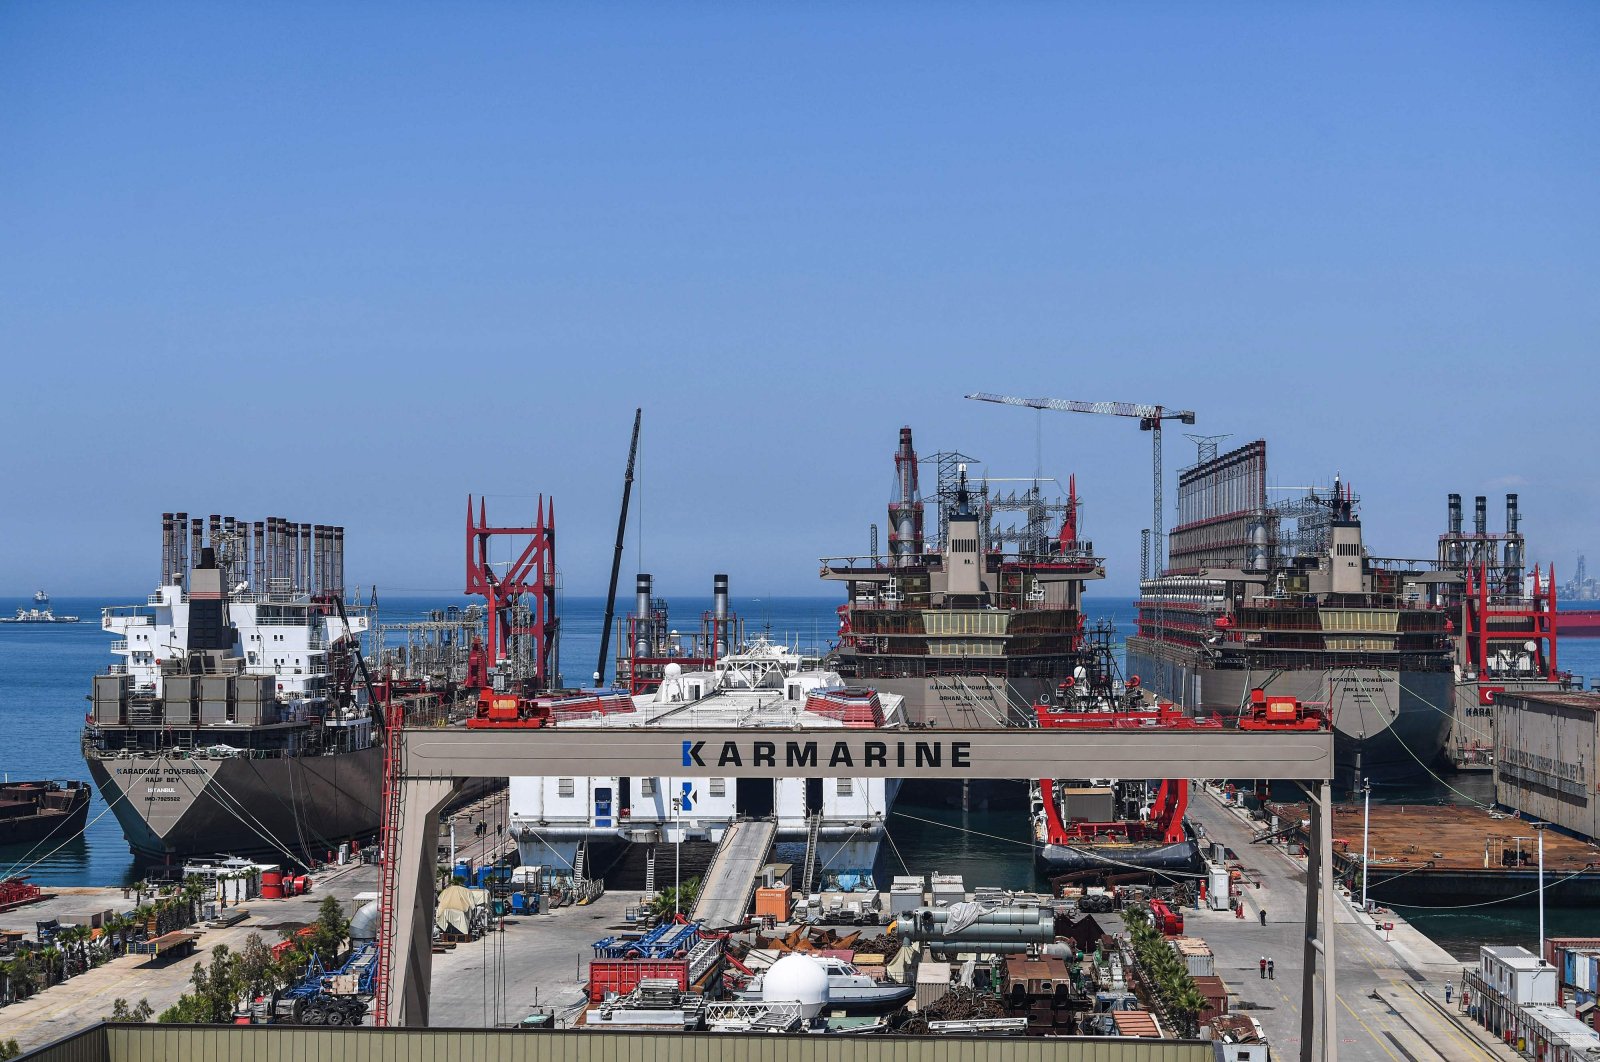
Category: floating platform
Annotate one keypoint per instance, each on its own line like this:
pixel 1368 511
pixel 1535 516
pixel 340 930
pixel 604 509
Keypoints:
pixel 1436 854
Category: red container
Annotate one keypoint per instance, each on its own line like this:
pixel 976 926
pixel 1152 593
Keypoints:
pixel 272 885
pixel 621 976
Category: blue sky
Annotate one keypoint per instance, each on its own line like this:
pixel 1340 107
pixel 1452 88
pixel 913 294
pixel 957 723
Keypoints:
pixel 347 263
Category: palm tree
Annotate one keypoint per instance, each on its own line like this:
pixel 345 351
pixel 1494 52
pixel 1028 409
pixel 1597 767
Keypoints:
pixel 1185 1008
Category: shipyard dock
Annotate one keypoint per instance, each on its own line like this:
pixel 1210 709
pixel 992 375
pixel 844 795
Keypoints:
pixel 1390 984
pixel 1451 853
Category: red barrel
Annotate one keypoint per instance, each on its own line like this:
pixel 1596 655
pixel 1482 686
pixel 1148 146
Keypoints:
pixel 271 885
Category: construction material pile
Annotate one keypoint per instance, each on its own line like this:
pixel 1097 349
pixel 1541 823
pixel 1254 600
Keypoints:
pixel 807 938
pixel 964 1004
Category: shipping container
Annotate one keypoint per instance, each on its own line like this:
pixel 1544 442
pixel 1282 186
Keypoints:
pixel 773 903
pixel 621 976
pixel 933 983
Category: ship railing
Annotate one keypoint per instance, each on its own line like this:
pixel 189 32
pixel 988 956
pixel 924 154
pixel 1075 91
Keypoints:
pixel 144 612
pixel 117 669
pixel 119 644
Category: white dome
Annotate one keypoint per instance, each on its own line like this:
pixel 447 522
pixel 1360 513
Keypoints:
pixel 674 670
pixel 796 979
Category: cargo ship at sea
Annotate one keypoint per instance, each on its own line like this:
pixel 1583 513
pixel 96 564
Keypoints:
pixel 973 623
pixel 1285 598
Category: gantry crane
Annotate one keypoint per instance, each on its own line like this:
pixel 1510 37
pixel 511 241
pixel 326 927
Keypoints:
pixel 1149 417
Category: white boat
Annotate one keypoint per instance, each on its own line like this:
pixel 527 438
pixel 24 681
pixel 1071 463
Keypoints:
pixel 847 987
pixel 763 685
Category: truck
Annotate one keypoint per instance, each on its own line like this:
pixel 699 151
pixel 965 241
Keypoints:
pixel 322 996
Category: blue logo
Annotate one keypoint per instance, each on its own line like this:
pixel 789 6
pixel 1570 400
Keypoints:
pixel 689 796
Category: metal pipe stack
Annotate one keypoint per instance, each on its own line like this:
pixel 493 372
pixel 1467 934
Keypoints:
pixel 338 562
pixel 258 574
pixel 1513 552
pixel 197 532
pixel 169 550
pixel 719 597
pixel 304 586
pixel 641 612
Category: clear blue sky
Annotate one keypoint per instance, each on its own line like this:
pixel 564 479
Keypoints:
pixel 347 263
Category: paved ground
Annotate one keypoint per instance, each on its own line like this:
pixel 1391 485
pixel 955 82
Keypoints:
pixel 1391 994
pixel 83 1000
pixel 537 961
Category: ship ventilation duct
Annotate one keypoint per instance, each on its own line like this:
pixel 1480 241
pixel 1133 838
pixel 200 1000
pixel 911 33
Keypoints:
pixel 1480 515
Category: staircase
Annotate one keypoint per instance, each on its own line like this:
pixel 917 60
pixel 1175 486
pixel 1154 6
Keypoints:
pixel 579 860
pixel 812 830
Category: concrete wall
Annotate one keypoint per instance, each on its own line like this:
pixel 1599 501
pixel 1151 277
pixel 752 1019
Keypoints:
pixel 179 1043
pixel 1545 760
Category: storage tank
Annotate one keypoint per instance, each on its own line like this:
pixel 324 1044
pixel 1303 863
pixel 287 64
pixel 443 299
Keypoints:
pixel 997 930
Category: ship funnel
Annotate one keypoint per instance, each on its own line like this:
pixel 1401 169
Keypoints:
pixel 641 616
pixel 1455 514
pixel 1513 553
pixel 719 598
pixel 1480 515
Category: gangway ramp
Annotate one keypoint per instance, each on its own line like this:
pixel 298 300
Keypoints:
pixel 730 881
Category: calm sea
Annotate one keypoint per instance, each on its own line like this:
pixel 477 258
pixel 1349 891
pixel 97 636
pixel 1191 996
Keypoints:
pixel 44 681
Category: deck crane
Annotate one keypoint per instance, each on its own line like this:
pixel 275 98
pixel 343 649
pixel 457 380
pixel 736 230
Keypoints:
pixel 1149 417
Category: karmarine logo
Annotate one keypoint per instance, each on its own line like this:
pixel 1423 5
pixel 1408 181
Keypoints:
pixel 908 754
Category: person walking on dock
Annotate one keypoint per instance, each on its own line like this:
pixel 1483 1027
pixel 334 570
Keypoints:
pixel 1263 916
pixel 1272 969
pixel 1263 967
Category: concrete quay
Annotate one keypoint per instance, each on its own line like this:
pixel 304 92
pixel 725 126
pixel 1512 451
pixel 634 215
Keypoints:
pixel 82 1001
pixel 1390 984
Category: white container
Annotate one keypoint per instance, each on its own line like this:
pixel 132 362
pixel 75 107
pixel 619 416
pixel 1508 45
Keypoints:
pixel 933 983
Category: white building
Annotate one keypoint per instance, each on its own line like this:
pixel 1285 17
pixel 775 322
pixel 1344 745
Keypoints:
pixel 551 817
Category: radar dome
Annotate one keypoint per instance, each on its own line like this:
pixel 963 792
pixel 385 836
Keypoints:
pixel 796 979
pixel 674 670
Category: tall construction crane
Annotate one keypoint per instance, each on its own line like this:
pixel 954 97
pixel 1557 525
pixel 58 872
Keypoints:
pixel 1149 417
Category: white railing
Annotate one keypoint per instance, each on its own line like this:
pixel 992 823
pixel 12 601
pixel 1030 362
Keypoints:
pixel 119 644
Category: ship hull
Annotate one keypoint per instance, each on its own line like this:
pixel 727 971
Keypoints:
pixel 53 826
pixel 304 806
pixel 1388 724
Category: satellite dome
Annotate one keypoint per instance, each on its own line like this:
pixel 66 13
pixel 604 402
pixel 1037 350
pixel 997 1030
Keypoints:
pixel 799 979
pixel 674 670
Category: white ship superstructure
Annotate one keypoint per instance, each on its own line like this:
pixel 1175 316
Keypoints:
pixel 764 686
pixel 232 721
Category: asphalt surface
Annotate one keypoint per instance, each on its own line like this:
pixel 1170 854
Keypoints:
pixel 1391 993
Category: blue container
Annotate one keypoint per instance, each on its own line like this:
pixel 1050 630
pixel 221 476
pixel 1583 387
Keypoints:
pixel 463 872
pixel 519 903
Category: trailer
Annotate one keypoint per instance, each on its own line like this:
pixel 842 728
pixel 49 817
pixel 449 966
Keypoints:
pixel 326 997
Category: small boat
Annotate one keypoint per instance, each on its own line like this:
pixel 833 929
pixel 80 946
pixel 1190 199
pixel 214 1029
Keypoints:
pixel 848 988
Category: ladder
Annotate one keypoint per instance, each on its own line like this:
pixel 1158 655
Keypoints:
pixel 650 871
pixel 578 862
pixel 812 830
pixel 388 852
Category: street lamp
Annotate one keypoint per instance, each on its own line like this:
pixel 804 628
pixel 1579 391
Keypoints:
pixel 677 855
pixel 1539 829
pixel 1366 833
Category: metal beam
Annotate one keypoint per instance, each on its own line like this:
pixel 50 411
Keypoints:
pixel 793 753
pixel 435 760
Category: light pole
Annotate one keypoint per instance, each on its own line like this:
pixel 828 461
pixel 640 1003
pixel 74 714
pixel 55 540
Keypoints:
pixel 1366 834
pixel 677 856
pixel 1539 828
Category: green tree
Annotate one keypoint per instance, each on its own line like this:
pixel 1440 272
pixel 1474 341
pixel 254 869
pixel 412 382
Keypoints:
pixel 217 988
pixel 672 899
pixel 9 1049
pixel 331 926
pixel 122 1013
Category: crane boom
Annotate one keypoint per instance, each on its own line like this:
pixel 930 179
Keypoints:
pixel 1149 417
pixel 1067 405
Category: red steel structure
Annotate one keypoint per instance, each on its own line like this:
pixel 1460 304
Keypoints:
pixel 528 579
pixel 1489 617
